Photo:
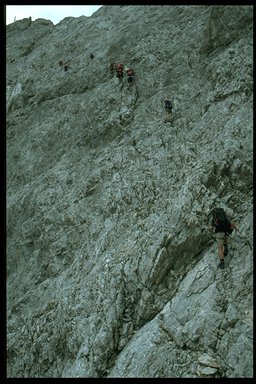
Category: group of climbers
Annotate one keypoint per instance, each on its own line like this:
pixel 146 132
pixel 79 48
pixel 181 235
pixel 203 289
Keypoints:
pixel 64 64
pixel 118 68
pixel 220 223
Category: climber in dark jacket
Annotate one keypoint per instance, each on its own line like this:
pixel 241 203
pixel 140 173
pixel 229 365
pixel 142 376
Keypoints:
pixel 65 66
pixel 222 226
pixel 168 110
pixel 130 75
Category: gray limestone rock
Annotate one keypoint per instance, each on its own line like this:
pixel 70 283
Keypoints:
pixel 111 270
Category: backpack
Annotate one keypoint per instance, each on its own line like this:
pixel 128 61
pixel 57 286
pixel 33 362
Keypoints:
pixel 168 104
pixel 221 222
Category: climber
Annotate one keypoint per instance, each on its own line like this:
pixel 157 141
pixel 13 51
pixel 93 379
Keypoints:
pixel 130 75
pixel 65 66
pixel 91 55
pixel 223 227
pixel 112 68
pixel 119 70
pixel 168 110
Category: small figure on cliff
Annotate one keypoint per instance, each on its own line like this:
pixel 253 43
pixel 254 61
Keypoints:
pixel 91 55
pixel 168 110
pixel 130 76
pixel 119 71
pixel 65 66
pixel 222 227
pixel 112 68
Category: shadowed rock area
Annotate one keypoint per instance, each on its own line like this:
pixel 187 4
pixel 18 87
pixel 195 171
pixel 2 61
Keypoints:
pixel 111 270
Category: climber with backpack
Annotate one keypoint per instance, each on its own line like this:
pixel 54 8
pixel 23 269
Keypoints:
pixel 112 68
pixel 222 227
pixel 168 109
pixel 64 64
pixel 130 75
pixel 119 71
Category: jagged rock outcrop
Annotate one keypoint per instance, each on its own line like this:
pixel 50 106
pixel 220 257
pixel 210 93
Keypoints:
pixel 111 271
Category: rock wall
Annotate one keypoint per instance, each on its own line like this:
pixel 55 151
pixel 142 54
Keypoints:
pixel 111 271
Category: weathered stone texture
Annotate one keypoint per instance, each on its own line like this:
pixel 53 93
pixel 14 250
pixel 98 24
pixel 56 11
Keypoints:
pixel 111 271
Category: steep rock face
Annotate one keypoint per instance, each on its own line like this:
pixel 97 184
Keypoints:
pixel 111 270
